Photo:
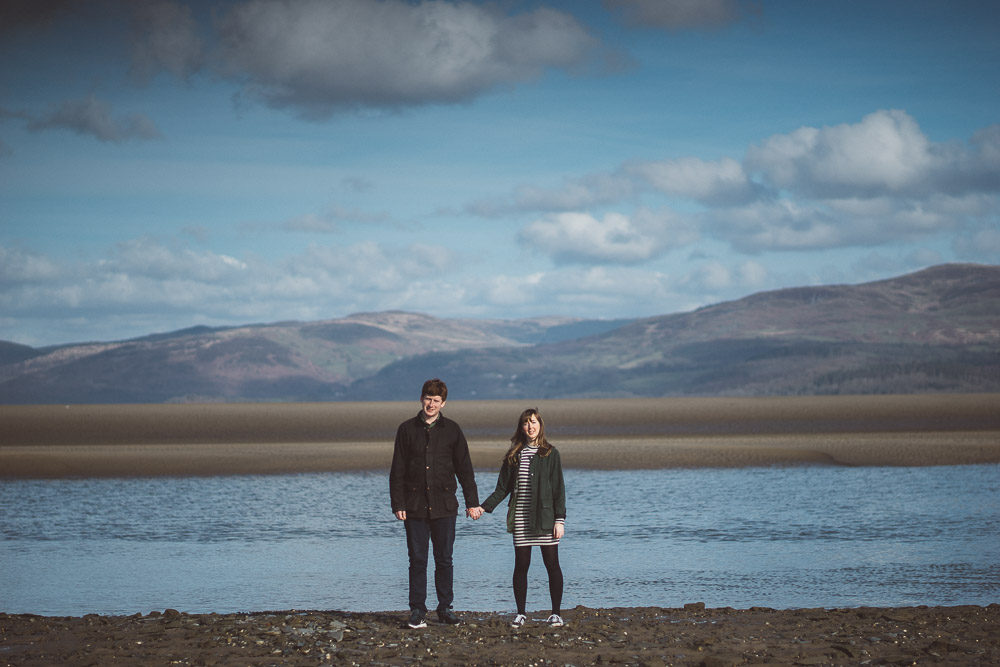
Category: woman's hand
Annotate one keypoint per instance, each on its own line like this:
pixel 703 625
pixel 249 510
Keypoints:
pixel 558 531
pixel 474 512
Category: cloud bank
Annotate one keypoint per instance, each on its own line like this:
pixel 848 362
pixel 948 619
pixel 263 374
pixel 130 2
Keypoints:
pixel 877 181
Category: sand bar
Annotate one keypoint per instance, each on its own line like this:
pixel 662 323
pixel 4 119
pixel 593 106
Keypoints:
pixel 214 439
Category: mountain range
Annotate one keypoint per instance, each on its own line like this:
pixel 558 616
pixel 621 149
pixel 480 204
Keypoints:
pixel 936 330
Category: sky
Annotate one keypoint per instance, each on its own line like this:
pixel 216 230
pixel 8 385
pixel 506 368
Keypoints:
pixel 168 164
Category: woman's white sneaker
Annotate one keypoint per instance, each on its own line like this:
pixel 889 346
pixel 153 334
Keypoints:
pixel 518 621
pixel 555 621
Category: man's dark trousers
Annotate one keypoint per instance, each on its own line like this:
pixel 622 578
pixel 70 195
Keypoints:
pixel 440 533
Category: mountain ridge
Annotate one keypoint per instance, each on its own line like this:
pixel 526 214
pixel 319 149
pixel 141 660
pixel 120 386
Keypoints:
pixel 933 330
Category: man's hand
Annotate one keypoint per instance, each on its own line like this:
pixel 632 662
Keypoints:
pixel 474 512
pixel 401 515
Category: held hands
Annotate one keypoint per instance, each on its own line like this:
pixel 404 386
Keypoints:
pixel 473 513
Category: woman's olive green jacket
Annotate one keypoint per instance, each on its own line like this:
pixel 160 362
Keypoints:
pixel 548 493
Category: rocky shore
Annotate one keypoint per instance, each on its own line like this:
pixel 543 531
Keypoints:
pixel 692 635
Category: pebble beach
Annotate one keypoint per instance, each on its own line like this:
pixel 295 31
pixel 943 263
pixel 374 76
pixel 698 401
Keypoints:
pixel 641 636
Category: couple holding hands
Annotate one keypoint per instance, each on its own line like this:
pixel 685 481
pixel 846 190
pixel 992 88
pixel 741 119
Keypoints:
pixel 430 452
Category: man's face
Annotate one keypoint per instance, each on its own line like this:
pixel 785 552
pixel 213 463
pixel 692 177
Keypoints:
pixel 432 406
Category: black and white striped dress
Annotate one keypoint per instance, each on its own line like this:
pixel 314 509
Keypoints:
pixel 522 510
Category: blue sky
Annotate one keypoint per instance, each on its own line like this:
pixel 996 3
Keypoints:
pixel 165 164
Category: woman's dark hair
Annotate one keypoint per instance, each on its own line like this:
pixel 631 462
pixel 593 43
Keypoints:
pixel 519 440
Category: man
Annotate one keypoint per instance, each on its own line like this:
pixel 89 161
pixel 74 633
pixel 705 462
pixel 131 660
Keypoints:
pixel 429 453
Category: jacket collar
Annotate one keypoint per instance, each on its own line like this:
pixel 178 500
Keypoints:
pixel 426 425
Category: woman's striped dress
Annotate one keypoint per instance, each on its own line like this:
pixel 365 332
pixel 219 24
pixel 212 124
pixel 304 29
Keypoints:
pixel 522 510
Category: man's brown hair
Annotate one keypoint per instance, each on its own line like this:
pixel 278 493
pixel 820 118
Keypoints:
pixel 435 387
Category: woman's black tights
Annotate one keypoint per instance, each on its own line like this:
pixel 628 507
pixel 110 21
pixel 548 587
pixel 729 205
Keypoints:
pixel 522 561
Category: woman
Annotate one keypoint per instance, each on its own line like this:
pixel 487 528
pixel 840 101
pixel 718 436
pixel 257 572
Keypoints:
pixel 531 474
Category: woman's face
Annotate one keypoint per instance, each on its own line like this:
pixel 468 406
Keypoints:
pixel 530 426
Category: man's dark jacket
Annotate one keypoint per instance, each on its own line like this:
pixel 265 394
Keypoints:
pixel 425 462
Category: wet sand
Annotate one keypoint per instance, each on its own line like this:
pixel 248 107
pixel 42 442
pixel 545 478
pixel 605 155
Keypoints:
pixel 650 636
pixel 220 439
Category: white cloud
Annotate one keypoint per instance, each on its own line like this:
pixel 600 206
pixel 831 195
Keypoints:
pixel 885 153
pixel 143 285
pixel 714 276
pixel 575 194
pixel 887 219
pixel 723 181
pixel 581 237
pixel 320 57
pixel 329 222
pixel 878 181
pixel 787 224
pixel 146 258
pixel 373 266
pixel 716 183
pixel 779 225
pixel 514 290
pixel 595 291
pixel 751 274
pixel 18 267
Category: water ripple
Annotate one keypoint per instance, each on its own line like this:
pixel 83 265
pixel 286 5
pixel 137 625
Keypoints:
pixel 779 537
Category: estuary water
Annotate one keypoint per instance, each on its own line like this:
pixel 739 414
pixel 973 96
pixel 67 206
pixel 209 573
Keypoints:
pixel 782 537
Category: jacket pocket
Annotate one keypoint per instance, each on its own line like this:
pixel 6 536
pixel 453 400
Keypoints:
pixel 546 518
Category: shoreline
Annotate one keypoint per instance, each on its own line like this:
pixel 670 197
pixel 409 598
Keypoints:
pixel 51 442
pixel 688 635
pixel 626 453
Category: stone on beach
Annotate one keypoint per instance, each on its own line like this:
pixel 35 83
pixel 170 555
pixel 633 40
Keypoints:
pixel 692 635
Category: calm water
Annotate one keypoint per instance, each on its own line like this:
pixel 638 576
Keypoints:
pixel 775 537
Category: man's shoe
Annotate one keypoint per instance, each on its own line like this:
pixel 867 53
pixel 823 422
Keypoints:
pixel 416 619
pixel 555 621
pixel 519 621
pixel 448 616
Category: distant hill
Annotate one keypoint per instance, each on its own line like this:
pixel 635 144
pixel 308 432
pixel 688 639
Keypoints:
pixel 937 330
pixel 11 353
pixel 287 361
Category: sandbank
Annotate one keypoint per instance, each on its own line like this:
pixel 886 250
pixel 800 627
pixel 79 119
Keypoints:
pixel 221 439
